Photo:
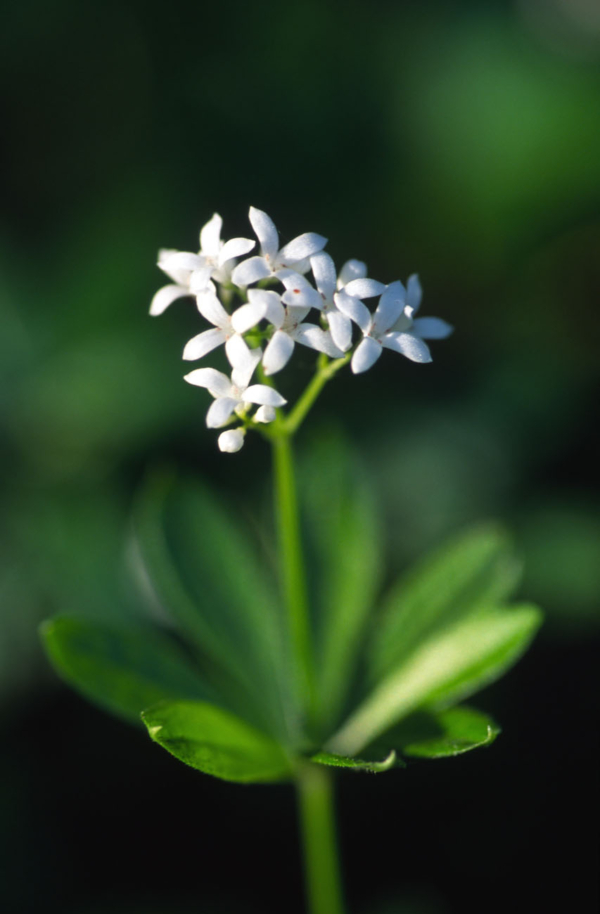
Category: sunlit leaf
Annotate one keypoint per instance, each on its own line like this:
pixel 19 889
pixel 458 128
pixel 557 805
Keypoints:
pixel 209 578
pixel 122 670
pixel 477 569
pixel 344 550
pixel 216 742
pixel 439 734
pixel 445 668
pixel 342 761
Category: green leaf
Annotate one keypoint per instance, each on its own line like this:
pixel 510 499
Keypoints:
pixel 439 734
pixel 344 549
pixel 447 667
pixel 342 761
pixel 210 579
pixel 476 569
pixel 216 742
pixel 122 670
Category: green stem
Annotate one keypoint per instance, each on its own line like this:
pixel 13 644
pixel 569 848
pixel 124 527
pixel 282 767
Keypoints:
pixel 317 820
pixel 292 567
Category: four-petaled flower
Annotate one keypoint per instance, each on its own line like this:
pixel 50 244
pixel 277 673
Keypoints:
pixel 392 325
pixel 289 330
pixel 271 259
pixel 228 327
pixel 233 395
pixel 351 282
pixel 192 273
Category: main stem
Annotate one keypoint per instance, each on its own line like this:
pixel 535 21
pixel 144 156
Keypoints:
pixel 292 569
pixel 314 782
pixel 317 820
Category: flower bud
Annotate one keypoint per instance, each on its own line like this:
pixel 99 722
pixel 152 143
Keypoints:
pixel 264 414
pixel 232 440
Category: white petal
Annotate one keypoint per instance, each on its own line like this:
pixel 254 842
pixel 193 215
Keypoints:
pixel 352 269
pixel 263 396
pixel 316 338
pixel 240 355
pixel 220 411
pixel 210 236
pixel 432 328
pixel 176 261
pixel 211 308
pixel 367 353
pixel 404 322
pixel 244 364
pixel 250 270
pixel 248 316
pixel 232 440
pixel 299 292
pixel 293 316
pixel 210 378
pixel 266 232
pixel 164 297
pixel 389 309
pixel 414 293
pixel 200 280
pixel 300 266
pixel 278 352
pixel 271 301
pixel 406 344
pixel 340 326
pixel 354 308
pixel 236 247
pixel 323 269
pixel 265 414
pixel 364 288
pixel 200 345
pixel 303 246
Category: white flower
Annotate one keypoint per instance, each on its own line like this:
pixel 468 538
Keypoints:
pixel 232 440
pixel 392 326
pixel 228 327
pixel 192 273
pixel 271 259
pixel 289 330
pixel 352 280
pixel 220 255
pixel 233 395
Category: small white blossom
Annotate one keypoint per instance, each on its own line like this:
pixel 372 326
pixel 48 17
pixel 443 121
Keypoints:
pixel 220 256
pixel 192 273
pixel 228 327
pixel 232 440
pixel 233 394
pixel 352 276
pixel 289 330
pixel 272 259
pixel 392 326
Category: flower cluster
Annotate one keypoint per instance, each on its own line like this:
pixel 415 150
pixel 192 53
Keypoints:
pixel 271 317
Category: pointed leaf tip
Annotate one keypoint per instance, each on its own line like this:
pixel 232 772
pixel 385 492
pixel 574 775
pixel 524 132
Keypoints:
pixel 342 761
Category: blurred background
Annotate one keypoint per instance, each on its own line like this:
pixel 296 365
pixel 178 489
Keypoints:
pixel 458 139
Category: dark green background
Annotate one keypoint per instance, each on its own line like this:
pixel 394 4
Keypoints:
pixel 457 139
